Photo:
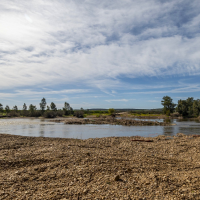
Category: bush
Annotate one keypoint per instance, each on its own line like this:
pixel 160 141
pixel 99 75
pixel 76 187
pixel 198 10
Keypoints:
pixel 13 114
pixel 79 114
pixel 111 111
pixel 49 114
pixel 60 113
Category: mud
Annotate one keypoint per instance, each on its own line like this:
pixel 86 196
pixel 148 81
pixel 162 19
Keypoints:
pixel 112 121
pixel 101 168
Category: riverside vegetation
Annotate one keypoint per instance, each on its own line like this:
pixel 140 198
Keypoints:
pixel 185 108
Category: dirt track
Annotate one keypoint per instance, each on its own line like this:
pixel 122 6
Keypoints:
pixel 105 168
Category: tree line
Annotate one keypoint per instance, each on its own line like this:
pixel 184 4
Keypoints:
pixel 50 111
pixel 186 108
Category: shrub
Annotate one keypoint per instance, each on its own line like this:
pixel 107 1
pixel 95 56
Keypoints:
pixel 49 114
pixel 79 113
pixel 111 111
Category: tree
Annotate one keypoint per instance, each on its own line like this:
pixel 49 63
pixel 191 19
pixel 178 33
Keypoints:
pixel 168 104
pixel 15 108
pixel 32 109
pixel 53 106
pixel 196 107
pixel 43 105
pixel 67 109
pixel 25 112
pixel 182 107
pixel 190 101
pixel 7 108
pixel 71 111
pixel 188 107
pixel 1 107
pixel 24 107
pixel 48 108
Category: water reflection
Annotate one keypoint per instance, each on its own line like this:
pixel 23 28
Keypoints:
pixel 42 130
pixel 45 128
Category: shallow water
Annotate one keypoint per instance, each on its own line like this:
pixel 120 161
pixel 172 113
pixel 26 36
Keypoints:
pixel 45 128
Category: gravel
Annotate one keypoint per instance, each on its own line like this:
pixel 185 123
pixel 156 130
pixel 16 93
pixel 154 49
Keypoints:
pixel 101 168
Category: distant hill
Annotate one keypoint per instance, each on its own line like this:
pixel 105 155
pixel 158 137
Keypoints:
pixel 123 109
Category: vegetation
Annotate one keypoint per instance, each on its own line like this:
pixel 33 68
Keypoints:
pixel 32 110
pixel 53 106
pixel 185 108
pixel 7 109
pixel 168 104
pixel 111 111
pixel 1 107
pixel 147 113
pixel 189 107
pixel 43 105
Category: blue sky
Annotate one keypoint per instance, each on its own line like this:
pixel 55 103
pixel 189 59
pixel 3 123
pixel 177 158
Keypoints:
pixel 99 54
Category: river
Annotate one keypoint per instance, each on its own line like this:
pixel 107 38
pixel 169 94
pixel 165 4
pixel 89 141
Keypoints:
pixel 46 128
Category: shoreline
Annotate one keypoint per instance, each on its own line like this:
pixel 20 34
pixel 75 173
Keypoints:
pixel 111 121
pixel 102 168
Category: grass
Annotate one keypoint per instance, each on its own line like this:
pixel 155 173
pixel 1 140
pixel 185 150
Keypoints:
pixel 146 115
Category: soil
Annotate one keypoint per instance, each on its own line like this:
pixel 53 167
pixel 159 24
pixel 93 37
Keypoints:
pixel 111 120
pixel 102 168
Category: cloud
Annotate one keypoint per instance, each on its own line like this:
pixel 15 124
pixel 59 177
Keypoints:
pixel 33 93
pixel 46 43
pixel 189 88
pixel 123 100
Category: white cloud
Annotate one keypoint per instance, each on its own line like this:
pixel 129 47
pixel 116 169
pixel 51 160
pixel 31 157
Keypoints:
pixel 32 93
pixel 94 42
pixel 123 100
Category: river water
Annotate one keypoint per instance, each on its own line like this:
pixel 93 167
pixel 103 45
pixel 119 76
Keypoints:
pixel 46 128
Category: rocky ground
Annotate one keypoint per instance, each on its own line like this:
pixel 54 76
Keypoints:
pixel 110 120
pixel 104 168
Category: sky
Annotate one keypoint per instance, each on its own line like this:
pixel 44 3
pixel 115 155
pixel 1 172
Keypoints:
pixel 99 54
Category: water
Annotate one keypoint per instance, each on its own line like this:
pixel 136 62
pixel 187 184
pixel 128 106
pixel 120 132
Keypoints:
pixel 46 128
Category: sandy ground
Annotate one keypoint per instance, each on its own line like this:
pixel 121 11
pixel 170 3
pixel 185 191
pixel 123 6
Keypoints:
pixel 105 168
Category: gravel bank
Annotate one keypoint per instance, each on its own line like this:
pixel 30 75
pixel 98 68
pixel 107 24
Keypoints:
pixel 105 168
pixel 112 121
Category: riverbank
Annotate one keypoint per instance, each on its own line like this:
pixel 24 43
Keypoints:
pixel 112 121
pixel 101 168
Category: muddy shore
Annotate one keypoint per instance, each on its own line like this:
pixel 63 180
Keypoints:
pixel 101 168
pixel 111 120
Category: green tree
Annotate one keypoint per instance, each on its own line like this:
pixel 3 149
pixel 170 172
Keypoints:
pixel 188 107
pixel 15 108
pixel 24 107
pixel 32 109
pixel 71 111
pixel 1 107
pixel 7 109
pixel 43 105
pixel 53 106
pixel 48 108
pixel 182 107
pixel 66 108
pixel 190 101
pixel 168 104
pixel 196 107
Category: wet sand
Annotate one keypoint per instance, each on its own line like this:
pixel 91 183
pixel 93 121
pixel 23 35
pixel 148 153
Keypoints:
pixel 101 168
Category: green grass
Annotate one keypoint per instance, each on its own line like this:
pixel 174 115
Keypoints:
pixel 146 115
